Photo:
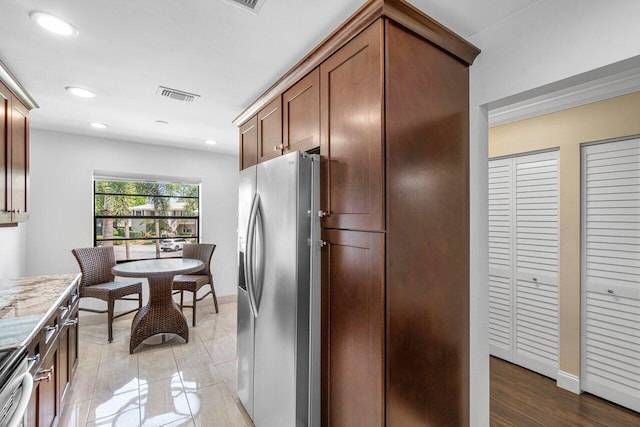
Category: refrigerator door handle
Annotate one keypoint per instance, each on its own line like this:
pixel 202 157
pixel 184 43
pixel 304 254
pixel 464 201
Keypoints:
pixel 249 254
pixel 259 273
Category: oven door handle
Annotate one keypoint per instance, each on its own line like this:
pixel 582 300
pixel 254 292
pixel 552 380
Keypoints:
pixel 27 387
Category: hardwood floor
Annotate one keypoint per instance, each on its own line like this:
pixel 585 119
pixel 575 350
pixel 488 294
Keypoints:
pixel 521 398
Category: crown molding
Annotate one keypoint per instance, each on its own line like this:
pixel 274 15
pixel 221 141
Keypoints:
pixel 14 86
pixel 580 94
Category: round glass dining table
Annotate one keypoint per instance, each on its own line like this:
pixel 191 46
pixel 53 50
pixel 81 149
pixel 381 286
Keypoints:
pixel 161 314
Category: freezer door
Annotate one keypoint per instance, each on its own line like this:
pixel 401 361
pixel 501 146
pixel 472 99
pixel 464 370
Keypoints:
pixel 245 337
pixel 282 325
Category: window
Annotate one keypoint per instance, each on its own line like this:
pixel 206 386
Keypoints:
pixel 144 219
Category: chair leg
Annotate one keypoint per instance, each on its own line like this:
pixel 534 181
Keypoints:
pixel 195 300
pixel 139 300
pixel 215 299
pixel 111 305
pixel 181 299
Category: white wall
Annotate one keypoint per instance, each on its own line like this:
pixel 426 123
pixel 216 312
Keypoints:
pixel 12 251
pixel 61 197
pixel 545 43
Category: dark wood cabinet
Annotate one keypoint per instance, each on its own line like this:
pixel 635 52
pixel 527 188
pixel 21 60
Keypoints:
pixel 394 144
pixel 14 158
pixel 353 328
pixel 54 351
pixel 249 143
pixel 301 114
pixel 270 131
pixel 352 100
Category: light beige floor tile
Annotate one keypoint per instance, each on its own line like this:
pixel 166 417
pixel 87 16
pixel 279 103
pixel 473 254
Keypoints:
pixel 89 353
pixel 156 364
pixel 192 348
pixel 119 401
pixel 185 422
pixel 83 385
pixel 130 418
pixel 114 372
pixel 221 349
pixel 229 375
pixel 214 405
pixel 75 414
pixel 116 351
pixel 198 371
pixel 162 402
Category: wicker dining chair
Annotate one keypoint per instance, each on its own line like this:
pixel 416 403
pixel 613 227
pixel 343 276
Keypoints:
pixel 98 282
pixel 194 282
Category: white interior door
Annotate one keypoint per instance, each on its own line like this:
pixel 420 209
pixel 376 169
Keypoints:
pixel 523 260
pixel 536 262
pixel 500 258
pixel 611 271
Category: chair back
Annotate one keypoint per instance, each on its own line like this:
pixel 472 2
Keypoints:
pixel 95 264
pixel 202 252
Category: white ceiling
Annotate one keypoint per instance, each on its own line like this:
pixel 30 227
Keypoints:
pixel 126 49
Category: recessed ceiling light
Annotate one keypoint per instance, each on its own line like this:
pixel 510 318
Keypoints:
pixel 98 125
pixel 162 122
pixel 53 24
pixel 80 92
pixel 211 141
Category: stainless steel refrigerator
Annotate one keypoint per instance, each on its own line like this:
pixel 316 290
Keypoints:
pixel 279 291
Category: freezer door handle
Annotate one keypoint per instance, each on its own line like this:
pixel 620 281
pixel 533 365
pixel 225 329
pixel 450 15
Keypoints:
pixel 249 254
pixel 259 271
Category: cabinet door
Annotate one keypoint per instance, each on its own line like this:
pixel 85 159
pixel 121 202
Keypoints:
pixel 249 143
pixel 301 114
pixel 73 344
pixel 270 131
pixel 351 143
pixel 19 161
pixel 352 328
pixel 5 164
pixel 63 361
pixel 48 389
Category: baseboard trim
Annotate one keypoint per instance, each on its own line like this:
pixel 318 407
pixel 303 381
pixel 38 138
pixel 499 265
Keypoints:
pixel 568 382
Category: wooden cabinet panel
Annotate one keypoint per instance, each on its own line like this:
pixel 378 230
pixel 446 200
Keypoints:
pixel 14 158
pixel 351 145
pixel 352 328
pixel 48 390
pixel 249 143
pixel 427 266
pixel 5 164
pixel 19 161
pixel 301 114
pixel 270 131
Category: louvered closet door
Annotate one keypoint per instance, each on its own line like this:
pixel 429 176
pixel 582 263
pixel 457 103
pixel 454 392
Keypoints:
pixel 536 262
pixel 611 271
pixel 500 258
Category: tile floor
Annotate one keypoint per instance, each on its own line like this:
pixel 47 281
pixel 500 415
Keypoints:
pixel 173 384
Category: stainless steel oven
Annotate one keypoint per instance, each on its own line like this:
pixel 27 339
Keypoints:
pixel 15 387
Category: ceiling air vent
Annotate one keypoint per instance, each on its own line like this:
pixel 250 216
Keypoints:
pixel 176 94
pixel 252 5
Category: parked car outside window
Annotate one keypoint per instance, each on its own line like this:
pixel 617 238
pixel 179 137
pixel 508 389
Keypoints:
pixel 172 244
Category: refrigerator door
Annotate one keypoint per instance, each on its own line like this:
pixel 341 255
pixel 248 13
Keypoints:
pixel 245 338
pixel 281 375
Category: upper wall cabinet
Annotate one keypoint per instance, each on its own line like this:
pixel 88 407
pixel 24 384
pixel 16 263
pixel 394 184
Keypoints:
pixel 352 89
pixel 301 114
pixel 14 153
pixel 249 143
pixel 270 131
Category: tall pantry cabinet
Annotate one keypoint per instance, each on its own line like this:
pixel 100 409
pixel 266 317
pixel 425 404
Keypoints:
pixel 394 139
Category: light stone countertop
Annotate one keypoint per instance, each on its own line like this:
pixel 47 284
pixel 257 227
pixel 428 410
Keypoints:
pixel 27 302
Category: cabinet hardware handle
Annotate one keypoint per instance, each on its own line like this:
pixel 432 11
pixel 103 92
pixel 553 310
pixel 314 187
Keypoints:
pixel 49 373
pixel 51 328
pixel 610 291
pixel 71 322
pixel 278 147
pixel 33 360
pixel 322 214
pixel 323 243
